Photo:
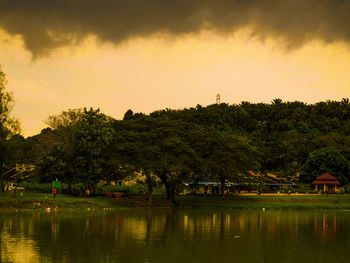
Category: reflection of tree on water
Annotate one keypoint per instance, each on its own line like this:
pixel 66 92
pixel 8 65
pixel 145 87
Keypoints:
pixel 178 235
pixel 149 224
pixel 170 221
pixel 325 225
pixel 15 242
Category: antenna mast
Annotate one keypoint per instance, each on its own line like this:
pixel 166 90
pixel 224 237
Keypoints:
pixel 218 99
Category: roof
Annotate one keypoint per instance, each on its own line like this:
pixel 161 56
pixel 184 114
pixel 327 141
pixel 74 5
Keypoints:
pixel 326 182
pixel 326 179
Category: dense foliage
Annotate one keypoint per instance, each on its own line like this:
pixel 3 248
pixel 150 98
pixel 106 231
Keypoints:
pixel 218 142
pixel 79 156
pixel 325 160
pixel 8 124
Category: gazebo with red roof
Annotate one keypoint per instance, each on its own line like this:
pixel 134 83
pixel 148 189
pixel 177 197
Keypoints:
pixel 326 180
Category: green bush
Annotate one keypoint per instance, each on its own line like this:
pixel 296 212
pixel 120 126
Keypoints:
pixel 159 191
pixel 77 188
pixel 304 188
pixel 37 187
pixel 129 189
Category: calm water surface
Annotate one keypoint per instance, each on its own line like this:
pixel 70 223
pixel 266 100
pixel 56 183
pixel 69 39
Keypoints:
pixel 189 235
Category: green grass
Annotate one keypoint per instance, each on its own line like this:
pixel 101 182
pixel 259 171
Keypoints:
pixel 43 201
pixel 335 202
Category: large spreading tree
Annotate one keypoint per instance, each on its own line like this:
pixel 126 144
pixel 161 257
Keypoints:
pixel 158 147
pixel 80 154
pixel 225 156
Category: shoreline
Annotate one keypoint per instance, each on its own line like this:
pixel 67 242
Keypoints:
pixel 39 201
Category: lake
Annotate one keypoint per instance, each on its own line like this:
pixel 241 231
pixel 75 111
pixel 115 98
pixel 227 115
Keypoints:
pixel 179 235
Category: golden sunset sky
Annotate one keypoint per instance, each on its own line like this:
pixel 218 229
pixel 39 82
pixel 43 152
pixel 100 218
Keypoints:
pixel 149 55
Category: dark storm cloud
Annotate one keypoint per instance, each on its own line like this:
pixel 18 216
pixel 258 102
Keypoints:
pixel 47 24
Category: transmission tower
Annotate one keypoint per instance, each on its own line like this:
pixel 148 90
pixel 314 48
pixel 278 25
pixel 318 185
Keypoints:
pixel 218 99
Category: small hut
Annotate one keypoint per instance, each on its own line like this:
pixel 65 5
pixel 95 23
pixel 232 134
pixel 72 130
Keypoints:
pixel 326 180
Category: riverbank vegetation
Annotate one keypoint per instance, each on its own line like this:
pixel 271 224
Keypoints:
pixel 219 142
pixel 43 201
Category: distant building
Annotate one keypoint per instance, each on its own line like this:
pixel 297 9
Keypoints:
pixel 326 180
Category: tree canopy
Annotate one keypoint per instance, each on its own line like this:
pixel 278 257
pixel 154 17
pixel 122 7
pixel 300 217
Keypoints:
pixel 8 124
pixel 325 160
pixel 218 142
pixel 80 155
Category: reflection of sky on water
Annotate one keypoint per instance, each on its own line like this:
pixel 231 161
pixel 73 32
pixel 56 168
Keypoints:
pixel 174 235
pixel 16 244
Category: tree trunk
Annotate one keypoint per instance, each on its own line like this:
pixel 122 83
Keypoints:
pixel 2 184
pixel 86 189
pixel 223 186
pixel 92 189
pixel 170 191
pixel 2 181
pixel 149 189
pixel 172 196
pixel 70 187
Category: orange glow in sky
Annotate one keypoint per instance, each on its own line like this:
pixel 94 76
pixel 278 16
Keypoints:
pixel 157 72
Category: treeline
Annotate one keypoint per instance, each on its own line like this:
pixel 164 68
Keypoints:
pixel 86 146
pixel 218 142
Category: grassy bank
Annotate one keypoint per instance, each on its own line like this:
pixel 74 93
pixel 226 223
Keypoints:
pixel 44 201
pixel 331 202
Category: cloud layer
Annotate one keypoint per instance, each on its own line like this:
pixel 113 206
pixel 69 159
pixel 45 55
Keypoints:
pixel 47 24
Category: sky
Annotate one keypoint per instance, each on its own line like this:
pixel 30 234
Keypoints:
pixel 147 55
